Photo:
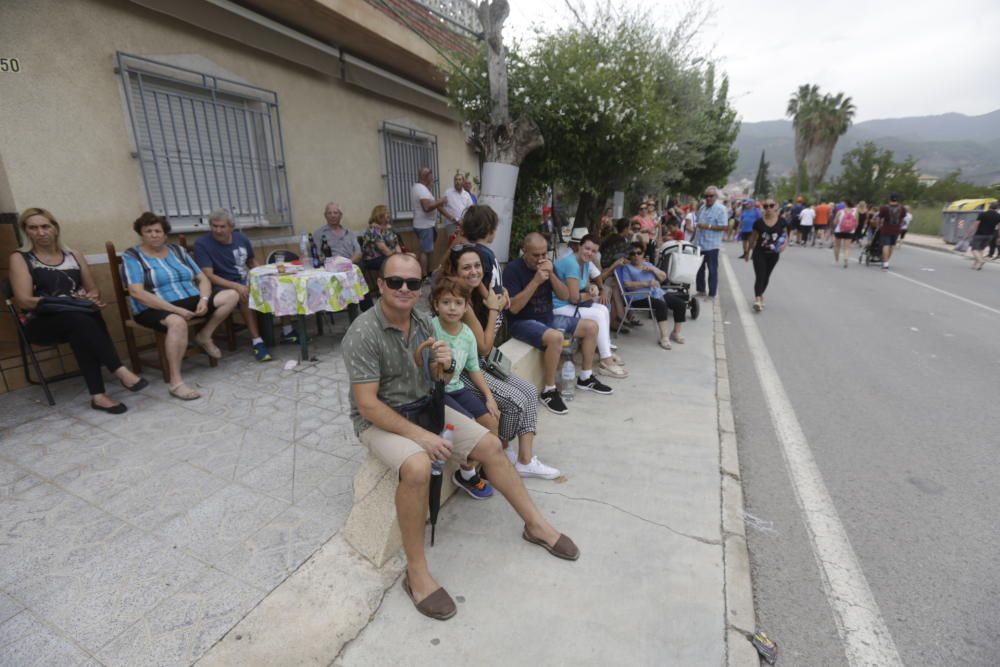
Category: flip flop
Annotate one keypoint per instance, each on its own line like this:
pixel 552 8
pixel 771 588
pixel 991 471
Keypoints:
pixel 438 605
pixel 188 395
pixel 563 548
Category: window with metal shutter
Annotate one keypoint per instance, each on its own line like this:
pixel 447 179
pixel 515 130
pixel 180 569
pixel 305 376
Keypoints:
pixel 406 150
pixel 203 143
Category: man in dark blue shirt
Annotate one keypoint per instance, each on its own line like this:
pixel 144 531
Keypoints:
pixel 530 280
pixel 226 257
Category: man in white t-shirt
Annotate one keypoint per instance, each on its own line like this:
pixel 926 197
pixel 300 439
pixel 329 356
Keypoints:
pixel 425 209
pixel 806 220
pixel 458 200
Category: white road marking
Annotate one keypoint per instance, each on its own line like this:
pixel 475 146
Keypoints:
pixel 865 636
pixel 946 293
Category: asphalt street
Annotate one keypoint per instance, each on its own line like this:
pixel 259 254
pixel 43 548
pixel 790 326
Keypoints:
pixel 896 386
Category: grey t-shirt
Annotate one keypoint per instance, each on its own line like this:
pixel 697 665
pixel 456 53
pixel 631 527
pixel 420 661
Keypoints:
pixel 376 351
pixel 345 246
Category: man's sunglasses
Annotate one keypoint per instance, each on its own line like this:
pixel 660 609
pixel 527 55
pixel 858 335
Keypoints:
pixel 770 205
pixel 635 253
pixel 395 282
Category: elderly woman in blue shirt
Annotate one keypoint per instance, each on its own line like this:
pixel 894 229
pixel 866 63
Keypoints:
pixel 642 282
pixel 167 290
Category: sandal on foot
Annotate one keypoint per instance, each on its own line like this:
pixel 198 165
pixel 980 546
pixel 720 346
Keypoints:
pixel 563 548
pixel 188 395
pixel 211 349
pixel 677 338
pixel 438 605
pixel 665 344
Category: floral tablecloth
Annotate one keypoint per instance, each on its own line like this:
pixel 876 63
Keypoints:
pixel 304 292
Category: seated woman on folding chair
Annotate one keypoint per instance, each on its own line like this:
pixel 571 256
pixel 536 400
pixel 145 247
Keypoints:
pixel 377 244
pixel 642 282
pixel 162 280
pixel 53 284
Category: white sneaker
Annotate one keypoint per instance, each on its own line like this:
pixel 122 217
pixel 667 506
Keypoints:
pixel 536 469
pixel 511 455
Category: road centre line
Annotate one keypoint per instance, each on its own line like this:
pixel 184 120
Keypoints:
pixel 946 292
pixel 862 630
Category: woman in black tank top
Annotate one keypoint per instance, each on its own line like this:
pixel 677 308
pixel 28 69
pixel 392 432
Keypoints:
pixel 44 272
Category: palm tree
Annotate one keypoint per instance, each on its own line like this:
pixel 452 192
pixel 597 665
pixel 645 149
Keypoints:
pixel 801 108
pixel 819 122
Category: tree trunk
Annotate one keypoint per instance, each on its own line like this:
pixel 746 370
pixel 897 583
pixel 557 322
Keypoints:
pixel 588 210
pixel 502 143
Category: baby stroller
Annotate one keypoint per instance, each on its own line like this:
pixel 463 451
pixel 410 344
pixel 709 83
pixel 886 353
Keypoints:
pixel 680 260
pixel 871 247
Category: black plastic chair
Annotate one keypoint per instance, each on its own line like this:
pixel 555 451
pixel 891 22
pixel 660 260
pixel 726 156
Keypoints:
pixel 27 349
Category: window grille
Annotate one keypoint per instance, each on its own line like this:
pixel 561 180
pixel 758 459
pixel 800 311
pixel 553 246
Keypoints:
pixel 406 151
pixel 204 142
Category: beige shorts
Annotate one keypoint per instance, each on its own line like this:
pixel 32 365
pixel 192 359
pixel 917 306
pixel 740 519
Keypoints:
pixel 392 449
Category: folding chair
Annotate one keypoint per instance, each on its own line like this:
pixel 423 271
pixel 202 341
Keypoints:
pixel 628 297
pixel 27 349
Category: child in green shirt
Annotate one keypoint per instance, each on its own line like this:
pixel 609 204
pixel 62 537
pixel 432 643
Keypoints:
pixel 449 300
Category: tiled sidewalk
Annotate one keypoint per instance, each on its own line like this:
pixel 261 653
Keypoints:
pixel 142 538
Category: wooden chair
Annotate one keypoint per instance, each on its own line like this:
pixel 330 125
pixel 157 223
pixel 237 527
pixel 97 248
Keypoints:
pixel 130 325
pixel 27 349
pixel 230 327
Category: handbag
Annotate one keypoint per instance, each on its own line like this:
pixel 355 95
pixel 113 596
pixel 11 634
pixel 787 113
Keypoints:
pixel 497 364
pixel 51 305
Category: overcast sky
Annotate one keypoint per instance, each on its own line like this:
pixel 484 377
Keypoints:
pixel 894 58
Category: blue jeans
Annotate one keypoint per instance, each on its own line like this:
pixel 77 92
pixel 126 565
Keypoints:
pixel 712 264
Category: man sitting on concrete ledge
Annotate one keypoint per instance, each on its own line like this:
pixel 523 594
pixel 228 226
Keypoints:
pixel 531 280
pixel 379 353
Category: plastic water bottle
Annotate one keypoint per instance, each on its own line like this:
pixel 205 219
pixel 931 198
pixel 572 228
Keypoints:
pixel 304 248
pixel 567 374
pixel 448 434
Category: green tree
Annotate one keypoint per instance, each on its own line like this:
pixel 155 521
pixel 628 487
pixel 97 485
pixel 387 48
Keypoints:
pixel 819 122
pixel 762 184
pixel 871 173
pixel 952 187
pixel 615 102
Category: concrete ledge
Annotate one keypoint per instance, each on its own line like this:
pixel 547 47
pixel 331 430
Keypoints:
pixel 372 528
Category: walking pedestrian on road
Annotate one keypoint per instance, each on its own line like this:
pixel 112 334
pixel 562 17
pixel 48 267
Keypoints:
pixel 983 231
pixel 844 226
pixel 768 240
pixel 709 229
pixel 890 219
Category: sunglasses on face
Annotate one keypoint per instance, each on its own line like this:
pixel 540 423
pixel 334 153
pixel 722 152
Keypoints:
pixel 395 283
pixel 769 205
pixel 709 196
pixel 635 253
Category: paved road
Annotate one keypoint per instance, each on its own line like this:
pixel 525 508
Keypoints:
pixel 896 389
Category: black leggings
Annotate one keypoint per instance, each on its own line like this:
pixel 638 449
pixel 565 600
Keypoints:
pixel 763 264
pixel 87 336
pixel 675 304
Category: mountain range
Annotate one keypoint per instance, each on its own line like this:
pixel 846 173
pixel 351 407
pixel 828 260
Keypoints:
pixel 940 144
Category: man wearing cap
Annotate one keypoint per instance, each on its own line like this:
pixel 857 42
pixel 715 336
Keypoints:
pixel 381 350
pixel 890 218
pixel 709 228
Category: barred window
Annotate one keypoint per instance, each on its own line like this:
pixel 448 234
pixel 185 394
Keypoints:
pixel 406 151
pixel 204 142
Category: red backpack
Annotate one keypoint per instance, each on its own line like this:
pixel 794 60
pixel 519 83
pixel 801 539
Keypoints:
pixel 849 222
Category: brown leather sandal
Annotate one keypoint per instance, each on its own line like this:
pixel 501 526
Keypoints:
pixel 564 547
pixel 438 605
